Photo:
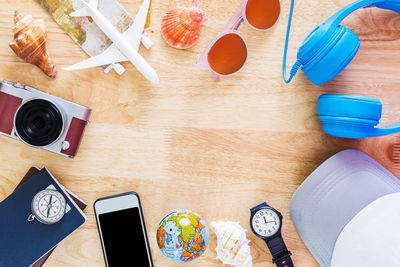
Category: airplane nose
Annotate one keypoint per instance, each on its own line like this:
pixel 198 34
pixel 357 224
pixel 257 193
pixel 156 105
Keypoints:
pixel 156 79
pixel 148 72
pixel 153 77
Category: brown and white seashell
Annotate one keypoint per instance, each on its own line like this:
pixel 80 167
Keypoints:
pixel 181 26
pixel 232 244
pixel 30 42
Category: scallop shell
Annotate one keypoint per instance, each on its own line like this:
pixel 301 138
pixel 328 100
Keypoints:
pixel 232 244
pixel 29 42
pixel 181 26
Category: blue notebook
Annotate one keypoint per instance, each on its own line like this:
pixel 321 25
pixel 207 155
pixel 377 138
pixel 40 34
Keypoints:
pixel 22 242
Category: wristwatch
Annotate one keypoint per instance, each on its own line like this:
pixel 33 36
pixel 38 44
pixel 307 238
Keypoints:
pixel 266 223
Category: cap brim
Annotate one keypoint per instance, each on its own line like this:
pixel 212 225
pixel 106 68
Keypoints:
pixel 333 194
pixel 372 237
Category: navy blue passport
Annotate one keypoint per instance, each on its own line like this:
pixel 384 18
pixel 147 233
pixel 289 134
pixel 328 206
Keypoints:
pixel 22 243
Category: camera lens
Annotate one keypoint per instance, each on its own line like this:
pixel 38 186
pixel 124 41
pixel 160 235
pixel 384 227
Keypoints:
pixel 39 122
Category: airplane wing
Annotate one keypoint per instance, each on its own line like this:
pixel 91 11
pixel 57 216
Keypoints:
pixel 109 56
pixel 135 32
pixel 134 35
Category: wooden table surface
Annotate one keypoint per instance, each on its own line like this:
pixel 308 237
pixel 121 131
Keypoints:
pixel 214 147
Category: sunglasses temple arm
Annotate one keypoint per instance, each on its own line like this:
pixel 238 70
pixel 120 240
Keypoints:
pixel 236 18
pixel 298 63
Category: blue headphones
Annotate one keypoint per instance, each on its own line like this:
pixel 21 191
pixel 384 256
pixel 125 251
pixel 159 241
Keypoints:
pixel 352 116
pixel 330 47
pixel 326 51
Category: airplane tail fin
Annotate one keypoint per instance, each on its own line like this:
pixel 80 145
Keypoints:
pixel 83 11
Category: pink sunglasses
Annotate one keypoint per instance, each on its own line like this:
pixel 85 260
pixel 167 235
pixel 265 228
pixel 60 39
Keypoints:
pixel 227 53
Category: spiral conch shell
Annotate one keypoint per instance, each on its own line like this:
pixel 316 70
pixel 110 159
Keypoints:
pixel 232 244
pixel 29 42
pixel 181 26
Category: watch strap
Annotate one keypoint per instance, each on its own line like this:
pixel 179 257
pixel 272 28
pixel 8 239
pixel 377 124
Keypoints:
pixel 280 253
pixel 262 205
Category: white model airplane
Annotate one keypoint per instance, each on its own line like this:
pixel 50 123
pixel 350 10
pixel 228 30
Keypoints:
pixel 125 46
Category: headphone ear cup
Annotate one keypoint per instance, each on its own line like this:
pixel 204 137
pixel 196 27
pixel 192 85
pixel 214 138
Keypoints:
pixel 349 116
pixel 332 56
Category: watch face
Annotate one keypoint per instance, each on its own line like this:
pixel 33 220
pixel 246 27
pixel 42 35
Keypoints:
pixel 265 222
pixel 48 206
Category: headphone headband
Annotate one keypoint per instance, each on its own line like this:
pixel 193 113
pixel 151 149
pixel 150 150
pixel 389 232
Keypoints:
pixel 347 10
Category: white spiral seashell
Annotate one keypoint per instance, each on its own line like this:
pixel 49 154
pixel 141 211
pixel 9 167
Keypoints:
pixel 232 244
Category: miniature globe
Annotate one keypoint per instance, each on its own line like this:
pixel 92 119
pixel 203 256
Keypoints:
pixel 182 236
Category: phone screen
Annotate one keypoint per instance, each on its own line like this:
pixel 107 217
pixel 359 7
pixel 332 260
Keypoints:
pixel 123 238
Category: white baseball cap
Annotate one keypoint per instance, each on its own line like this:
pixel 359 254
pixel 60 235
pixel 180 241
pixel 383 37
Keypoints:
pixel 348 212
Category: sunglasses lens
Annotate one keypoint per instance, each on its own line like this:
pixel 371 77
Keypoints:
pixel 262 14
pixel 228 54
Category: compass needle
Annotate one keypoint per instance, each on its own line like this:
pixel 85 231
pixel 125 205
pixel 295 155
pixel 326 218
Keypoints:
pixel 49 206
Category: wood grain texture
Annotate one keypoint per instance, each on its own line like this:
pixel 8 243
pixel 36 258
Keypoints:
pixel 214 147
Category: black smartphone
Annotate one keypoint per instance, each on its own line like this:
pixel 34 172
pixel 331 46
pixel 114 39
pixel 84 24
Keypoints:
pixel 122 231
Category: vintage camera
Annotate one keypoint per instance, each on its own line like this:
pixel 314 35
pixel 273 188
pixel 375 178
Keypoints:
pixel 41 120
